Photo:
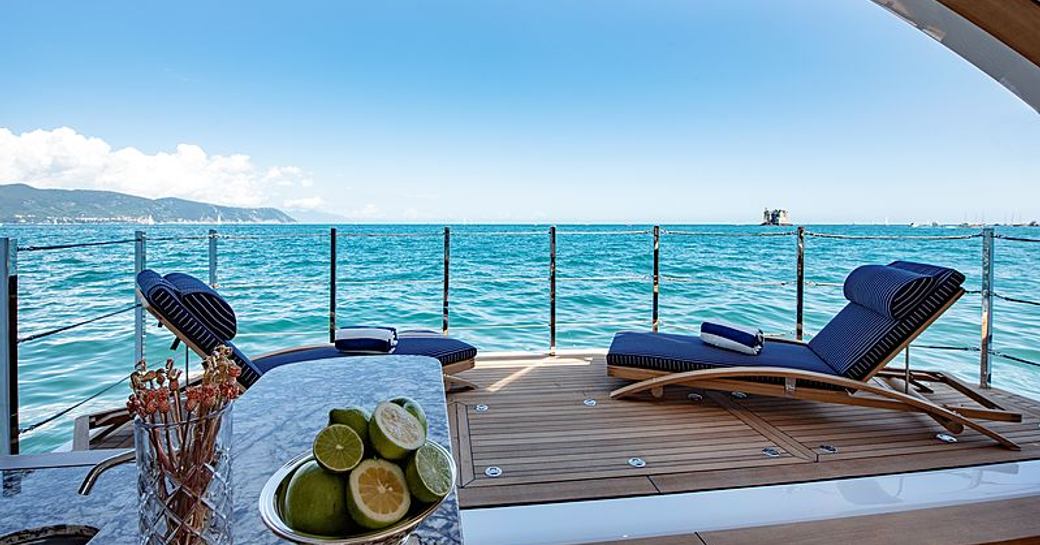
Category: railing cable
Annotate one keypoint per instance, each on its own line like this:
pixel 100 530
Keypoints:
pixel 1016 239
pixel 67 410
pixel 73 245
pixel 892 237
pixel 1015 300
pixel 179 237
pixel 948 348
pixel 43 334
pixel 1015 358
pixel 609 233
pixel 678 279
pixel 726 234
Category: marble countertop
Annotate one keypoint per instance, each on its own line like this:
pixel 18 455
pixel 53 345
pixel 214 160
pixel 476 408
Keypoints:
pixel 32 498
pixel 274 421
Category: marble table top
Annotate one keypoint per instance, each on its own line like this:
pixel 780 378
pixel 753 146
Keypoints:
pixel 273 421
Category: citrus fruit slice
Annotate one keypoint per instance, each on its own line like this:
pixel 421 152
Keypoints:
pixel 338 448
pixel 429 474
pixel 377 495
pixel 413 407
pixel 394 432
pixel 315 502
pixel 355 417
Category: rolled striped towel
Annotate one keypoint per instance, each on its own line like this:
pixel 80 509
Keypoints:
pixel 381 340
pixel 738 339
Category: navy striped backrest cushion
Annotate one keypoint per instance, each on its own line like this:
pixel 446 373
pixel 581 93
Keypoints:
pixel 165 299
pixel 859 338
pixel 207 305
pixel 889 291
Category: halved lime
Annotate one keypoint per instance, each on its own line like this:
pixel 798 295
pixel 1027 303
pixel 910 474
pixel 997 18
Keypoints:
pixel 377 495
pixel 413 407
pixel 355 417
pixel 429 474
pixel 394 432
pixel 338 448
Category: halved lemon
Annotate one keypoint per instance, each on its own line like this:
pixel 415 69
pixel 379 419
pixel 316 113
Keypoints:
pixel 377 495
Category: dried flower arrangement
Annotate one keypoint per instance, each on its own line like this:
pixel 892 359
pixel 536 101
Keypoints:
pixel 182 427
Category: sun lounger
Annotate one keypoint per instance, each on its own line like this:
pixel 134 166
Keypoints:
pixel 889 306
pixel 203 320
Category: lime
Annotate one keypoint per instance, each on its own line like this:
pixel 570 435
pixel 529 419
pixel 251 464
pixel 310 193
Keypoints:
pixel 377 495
pixel 394 432
pixel 429 474
pixel 338 448
pixel 413 407
pixel 315 503
pixel 355 417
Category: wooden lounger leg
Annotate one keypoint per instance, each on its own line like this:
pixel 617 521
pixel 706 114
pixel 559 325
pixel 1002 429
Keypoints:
pixel 891 399
pixel 456 384
pixel 898 384
pixel 990 410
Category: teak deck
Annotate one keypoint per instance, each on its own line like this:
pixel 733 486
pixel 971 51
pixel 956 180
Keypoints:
pixel 551 446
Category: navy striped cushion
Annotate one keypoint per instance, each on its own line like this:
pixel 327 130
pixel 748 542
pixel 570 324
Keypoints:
pixel 207 304
pixel 677 353
pixel 889 291
pixel 447 350
pixel 423 342
pixel 858 339
pixel 164 299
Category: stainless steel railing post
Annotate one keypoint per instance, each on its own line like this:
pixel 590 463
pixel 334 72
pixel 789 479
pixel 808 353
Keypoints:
pixel 799 321
pixel 213 258
pixel 986 343
pixel 140 262
pixel 9 345
pixel 447 269
pixel 654 313
pixel 332 284
pixel 552 290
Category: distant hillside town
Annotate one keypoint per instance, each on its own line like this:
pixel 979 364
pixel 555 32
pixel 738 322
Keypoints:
pixel 775 217
pixel 21 203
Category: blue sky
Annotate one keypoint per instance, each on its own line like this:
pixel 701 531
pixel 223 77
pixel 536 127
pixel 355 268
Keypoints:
pixel 561 111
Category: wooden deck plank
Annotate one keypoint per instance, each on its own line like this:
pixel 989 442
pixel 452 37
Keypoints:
pixel 552 447
pixel 551 491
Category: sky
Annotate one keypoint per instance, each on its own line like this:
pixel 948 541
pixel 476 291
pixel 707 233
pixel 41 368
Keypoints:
pixel 561 111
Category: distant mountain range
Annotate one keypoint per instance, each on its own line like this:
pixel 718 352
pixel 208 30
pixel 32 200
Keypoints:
pixel 21 203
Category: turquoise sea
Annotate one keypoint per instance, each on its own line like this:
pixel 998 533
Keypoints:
pixel 276 277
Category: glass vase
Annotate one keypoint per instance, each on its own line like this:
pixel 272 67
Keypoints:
pixel 184 480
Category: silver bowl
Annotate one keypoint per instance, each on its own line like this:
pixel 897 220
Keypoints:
pixel 396 534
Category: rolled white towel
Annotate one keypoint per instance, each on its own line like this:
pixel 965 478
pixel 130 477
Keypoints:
pixel 738 339
pixel 366 339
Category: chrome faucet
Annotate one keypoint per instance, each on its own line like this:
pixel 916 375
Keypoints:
pixel 101 467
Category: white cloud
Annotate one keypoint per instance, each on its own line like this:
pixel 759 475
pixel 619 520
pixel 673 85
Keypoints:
pixel 306 203
pixel 63 158
pixel 370 211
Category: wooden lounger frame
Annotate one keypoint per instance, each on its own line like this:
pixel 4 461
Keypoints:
pixel 882 388
pixel 112 419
